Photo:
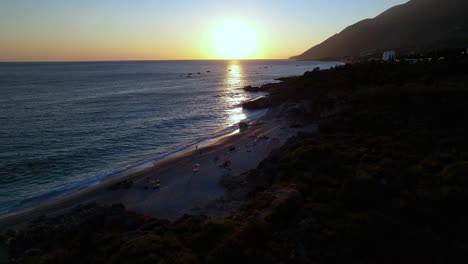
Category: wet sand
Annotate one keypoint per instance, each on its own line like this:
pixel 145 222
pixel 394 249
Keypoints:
pixel 188 180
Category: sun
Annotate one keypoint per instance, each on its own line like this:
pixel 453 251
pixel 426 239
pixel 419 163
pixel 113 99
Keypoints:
pixel 234 40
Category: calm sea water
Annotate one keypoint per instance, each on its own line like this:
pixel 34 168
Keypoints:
pixel 65 126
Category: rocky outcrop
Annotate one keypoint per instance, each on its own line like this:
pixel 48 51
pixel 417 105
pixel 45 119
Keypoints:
pixel 257 103
pixel 252 89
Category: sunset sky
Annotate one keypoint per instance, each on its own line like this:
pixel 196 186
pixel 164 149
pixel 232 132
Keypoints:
pixel 75 30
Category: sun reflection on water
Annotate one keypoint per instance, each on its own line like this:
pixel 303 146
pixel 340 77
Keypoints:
pixel 234 75
pixel 236 115
pixel 234 82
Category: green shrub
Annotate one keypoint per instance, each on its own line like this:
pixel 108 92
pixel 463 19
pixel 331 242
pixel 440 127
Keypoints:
pixel 361 192
pixel 435 162
pixel 153 249
pixel 212 232
pixel 456 173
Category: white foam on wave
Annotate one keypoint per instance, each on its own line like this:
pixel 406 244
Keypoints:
pixel 75 186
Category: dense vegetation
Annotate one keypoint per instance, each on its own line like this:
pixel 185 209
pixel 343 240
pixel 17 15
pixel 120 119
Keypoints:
pixel 384 181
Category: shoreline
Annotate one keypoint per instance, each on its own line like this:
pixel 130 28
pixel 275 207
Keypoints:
pixel 172 172
pixel 134 168
pixel 382 179
pixel 66 175
pixel 147 167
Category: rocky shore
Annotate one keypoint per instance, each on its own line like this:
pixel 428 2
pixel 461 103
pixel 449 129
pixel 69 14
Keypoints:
pixel 383 181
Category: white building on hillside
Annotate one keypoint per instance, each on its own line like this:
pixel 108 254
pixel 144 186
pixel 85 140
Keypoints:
pixel 389 55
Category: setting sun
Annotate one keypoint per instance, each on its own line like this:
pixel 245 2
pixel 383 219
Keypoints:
pixel 235 40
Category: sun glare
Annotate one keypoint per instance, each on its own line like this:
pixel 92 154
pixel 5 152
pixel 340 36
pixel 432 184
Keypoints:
pixel 235 40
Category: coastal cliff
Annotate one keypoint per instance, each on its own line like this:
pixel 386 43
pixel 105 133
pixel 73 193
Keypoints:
pixel 383 181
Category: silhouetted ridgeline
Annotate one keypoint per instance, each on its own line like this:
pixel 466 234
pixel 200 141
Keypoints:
pixel 384 181
pixel 414 26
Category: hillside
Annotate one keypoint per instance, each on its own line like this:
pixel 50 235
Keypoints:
pixel 416 25
pixel 382 181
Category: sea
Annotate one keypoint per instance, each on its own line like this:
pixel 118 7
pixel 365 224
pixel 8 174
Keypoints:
pixel 65 126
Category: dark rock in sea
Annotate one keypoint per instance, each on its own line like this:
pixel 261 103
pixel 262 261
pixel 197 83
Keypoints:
pixel 257 103
pixel 284 79
pixel 250 88
pixel 263 88
pixel 267 87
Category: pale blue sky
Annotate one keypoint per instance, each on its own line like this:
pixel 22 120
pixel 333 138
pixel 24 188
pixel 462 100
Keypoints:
pixel 154 29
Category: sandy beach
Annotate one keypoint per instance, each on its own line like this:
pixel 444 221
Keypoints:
pixel 179 184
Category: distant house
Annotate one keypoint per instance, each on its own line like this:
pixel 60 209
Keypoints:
pixel 389 55
pixel 412 61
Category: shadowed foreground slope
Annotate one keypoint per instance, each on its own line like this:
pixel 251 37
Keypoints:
pixel 384 181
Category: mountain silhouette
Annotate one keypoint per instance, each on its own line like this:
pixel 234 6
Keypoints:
pixel 416 25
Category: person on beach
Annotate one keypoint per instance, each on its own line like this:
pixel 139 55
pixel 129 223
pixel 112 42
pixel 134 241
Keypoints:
pixel 195 153
pixel 227 162
pixel 199 151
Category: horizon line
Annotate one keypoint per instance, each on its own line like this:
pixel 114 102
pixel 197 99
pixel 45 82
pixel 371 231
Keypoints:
pixel 85 61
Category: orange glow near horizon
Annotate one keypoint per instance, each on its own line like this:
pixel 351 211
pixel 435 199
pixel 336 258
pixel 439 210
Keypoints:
pixel 87 30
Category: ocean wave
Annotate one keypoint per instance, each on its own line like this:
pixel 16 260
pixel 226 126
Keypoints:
pixel 75 186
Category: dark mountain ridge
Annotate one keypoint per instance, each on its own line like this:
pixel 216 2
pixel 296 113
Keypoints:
pixel 416 25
